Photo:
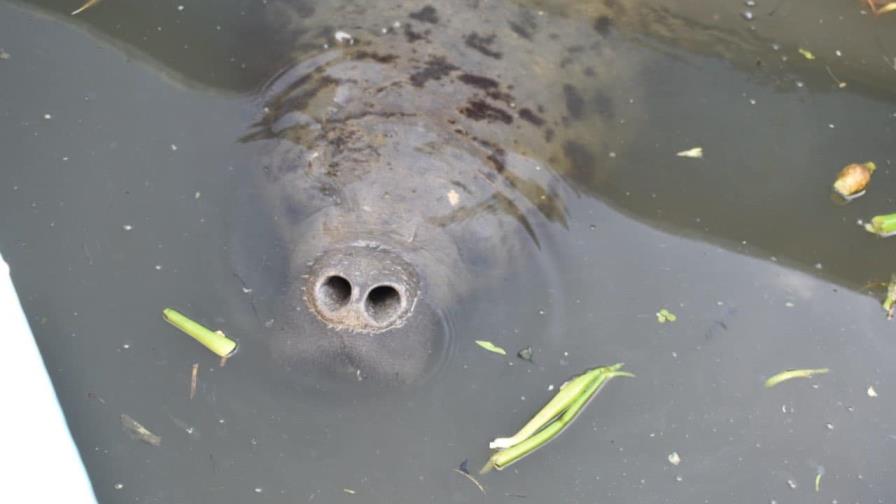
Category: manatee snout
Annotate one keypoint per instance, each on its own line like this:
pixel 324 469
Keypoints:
pixel 362 288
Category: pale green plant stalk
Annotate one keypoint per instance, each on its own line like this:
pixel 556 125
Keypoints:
pixel 216 341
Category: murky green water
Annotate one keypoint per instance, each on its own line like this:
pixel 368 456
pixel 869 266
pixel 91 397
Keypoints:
pixel 121 185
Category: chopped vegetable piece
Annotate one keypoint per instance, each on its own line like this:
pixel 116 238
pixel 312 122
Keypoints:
pixel 552 418
pixel 217 342
pixel 491 347
pixel 807 54
pixel 853 178
pixel 349 491
pixel 882 225
pixel 525 354
pixel 790 374
pixel 139 432
pixel 890 301
pixel 665 315
pixel 817 482
pixel 561 401
pixel 696 153
pixel 871 392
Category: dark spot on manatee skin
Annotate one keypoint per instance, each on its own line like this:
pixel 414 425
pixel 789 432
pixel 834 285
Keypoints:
pixel 496 156
pixel 436 68
pixel 413 36
pixel 379 58
pixel 527 115
pixel 478 110
pixel 575 104
pixel 483 44
pixel 603 104
pixel 549 135
pixel 580 158
pixel 427 14
pixel 478 81
pixel 603 25
pixel 525 26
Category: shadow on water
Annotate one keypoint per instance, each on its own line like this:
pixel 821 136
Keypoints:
pixel 94 272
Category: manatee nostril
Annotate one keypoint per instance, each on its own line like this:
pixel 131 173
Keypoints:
pixel 334 292
pixel 383 303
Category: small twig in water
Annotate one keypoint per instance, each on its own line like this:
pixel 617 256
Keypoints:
pixel 471 478
pixel 840 83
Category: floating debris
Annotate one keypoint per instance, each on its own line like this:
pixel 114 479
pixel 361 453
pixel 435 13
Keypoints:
pixel 696 153
pixel 852 180
pixel 806 53
pixel 526 354
pixel 790 374
pixel 674 459
pixel 889 303
pixel 879 8
pixel 792 484
pixel 139 432
pixel 189 429
pixel 818 479
pixel 464 471
pixel 665 315
pixel 871 392
pixel 349 491
pixel 194 378
pixel 87 5
pixel 491 347
pixel 840 83
pixel 553 418
pixel 344 38
pixel 882 225
pixel 216 341
pixel 4 55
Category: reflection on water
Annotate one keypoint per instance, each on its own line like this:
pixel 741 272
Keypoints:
pixel 119 193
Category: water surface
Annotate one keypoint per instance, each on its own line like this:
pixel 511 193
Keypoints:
pixel 121 186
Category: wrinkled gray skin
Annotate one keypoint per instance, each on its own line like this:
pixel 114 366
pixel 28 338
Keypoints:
pixel 401 171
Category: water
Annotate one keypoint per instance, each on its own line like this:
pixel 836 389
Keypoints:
pixel 123 201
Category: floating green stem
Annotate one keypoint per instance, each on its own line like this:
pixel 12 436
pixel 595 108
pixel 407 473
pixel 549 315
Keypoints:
pixel 216 341
pixel 790 374
pixel 576 395
pixel 882 225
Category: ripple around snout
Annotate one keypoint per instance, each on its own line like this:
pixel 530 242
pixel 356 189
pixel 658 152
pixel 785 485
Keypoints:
pixel 446 352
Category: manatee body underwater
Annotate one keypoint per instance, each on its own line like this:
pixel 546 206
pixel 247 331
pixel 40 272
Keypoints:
pixel 409 158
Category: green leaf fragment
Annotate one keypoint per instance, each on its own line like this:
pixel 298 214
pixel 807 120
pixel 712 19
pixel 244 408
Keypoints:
pixel 817 482
pixel 665 315
pixel 882 225
pixel 790 374
pixel 491 347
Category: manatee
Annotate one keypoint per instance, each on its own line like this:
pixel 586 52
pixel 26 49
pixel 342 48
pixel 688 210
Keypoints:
pixel 410 159
pixel 492 107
